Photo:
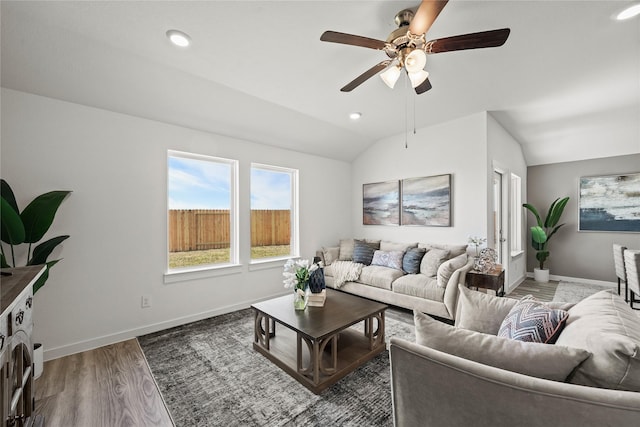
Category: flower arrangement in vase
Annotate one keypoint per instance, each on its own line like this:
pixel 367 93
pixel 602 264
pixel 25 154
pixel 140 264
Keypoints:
pixel 296 275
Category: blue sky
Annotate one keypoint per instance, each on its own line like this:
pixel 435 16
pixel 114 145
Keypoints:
pixel 200 184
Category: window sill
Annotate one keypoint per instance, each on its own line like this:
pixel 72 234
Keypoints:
pixel 516 254
pixel 201 273
pixel 269 263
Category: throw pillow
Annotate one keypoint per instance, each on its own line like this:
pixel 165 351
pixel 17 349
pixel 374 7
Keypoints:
pixel 447 268
pixel 532 321
pixel 363 252
pixel 346 249
pixel 411 260
pixel 330 255
pixel 392 259
pixel 432 261
pixel 481 312
pixel 606 326
pixel 552 362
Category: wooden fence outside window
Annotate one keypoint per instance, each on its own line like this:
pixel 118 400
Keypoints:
pixel 201 229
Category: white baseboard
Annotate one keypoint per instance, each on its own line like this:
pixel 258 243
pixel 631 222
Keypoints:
pixel 80 346
pixel 577 280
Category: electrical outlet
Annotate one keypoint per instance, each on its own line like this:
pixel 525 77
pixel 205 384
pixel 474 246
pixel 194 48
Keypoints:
pixel 146 301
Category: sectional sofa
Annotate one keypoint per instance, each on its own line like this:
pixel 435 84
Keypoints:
pixel 417 276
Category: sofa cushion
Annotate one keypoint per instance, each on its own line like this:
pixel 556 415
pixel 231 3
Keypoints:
pixel 412 259
pixel 392 259
pixel 447 268
pixel 388 246
pixel 480 312
pixel 346 249
pixel 432 260
pixel 363 252
pixel 418 285
pixel 375 244
pixel 532 321
pixel 378 276
pixel 454 250
pixel 606 326
pixel 551 362
pixel 330 254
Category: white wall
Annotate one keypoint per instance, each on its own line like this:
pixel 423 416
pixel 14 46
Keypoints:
pixel 116 216
pixel 505 153
pixel 458 148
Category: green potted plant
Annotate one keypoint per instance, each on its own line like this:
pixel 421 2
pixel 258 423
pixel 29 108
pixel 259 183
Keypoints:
pixel 542 233
pixel 29 227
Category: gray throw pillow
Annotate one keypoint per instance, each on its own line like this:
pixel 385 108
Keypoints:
pixel 447 268
pixel 481 312
pixel 412 259
pixel 330 255
pixel 432 261
pixel 606 326
pixel 552 362
pixel 346 249
pixel 363 252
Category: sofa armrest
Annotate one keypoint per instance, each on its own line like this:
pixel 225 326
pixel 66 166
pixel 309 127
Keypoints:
pixel 451 291
pixel 432 388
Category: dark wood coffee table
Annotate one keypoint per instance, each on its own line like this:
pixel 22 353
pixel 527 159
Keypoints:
pixel 333 347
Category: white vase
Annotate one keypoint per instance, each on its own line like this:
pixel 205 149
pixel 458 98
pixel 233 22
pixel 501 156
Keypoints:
pixel 38 357
pixel 541 276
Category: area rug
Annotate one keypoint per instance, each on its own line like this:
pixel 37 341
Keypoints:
pixel 575 292
pixel 209 375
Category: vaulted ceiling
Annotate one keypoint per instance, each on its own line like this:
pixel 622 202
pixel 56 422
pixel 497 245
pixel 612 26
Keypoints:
pixel 566 84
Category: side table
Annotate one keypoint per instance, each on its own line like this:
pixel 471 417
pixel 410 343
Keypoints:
pixel 493 279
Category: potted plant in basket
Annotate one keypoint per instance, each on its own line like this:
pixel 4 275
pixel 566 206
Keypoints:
pixel 542 233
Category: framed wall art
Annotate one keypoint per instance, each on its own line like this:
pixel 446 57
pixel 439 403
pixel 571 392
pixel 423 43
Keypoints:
pixel 609 203
pixel 380 203
pixel 427 201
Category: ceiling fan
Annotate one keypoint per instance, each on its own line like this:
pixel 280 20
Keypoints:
pixel 407 46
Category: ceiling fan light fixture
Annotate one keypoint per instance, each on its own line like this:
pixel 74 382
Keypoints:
pixel 418 78
pixel 629 12
pixel 179 38
pixel 415 61
pixel 391 76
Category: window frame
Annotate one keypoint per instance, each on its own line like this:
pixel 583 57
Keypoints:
pixel 294 239
pixel 516 244
pixel 207 270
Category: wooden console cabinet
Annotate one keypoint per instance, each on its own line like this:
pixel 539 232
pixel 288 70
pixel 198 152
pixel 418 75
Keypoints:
pixel 493 280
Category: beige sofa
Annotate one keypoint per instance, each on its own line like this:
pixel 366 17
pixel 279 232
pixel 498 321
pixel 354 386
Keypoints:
pixel 431 288
pixel 464 377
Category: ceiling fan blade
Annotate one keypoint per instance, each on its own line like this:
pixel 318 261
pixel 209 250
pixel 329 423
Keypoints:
pixel 427 12
pixel 423 87
pixel 350 39
pixel 493 38
pixel 366 76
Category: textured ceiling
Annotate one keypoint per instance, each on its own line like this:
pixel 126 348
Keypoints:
pixel 566 84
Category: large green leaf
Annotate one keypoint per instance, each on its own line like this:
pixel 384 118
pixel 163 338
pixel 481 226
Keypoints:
pixel 42 279
pixel 11 227
pixel 39 214
pixel 44 249
pixel 7 193
pixel 534 211
pixel 555 212
pixel 538 235
pixel 3 262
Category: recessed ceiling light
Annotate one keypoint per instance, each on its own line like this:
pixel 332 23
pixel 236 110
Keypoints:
pixel 179 38
pixel 355 116
pixel 630 12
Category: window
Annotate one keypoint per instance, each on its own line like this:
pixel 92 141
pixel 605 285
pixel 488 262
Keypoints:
pixel 274 216
pixel 202 229
pixel 516 215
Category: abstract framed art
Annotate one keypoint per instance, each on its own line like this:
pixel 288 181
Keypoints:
pixel 380 203
pixel 427 201
pixel 609 203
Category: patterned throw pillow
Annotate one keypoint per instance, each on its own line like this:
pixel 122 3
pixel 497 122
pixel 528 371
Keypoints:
pixel 391 259
pixel 532 321
pixel 412 259
pixel 363 252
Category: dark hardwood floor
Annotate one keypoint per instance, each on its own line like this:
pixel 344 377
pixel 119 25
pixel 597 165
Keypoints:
pixel 112 386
